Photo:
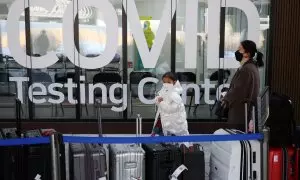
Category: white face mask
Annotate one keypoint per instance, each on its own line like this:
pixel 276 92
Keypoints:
pixel 168 85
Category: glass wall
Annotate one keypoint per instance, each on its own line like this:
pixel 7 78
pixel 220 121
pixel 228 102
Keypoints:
pixel 150 14
pixel 69 56
pixel 234 30
pixel 9 68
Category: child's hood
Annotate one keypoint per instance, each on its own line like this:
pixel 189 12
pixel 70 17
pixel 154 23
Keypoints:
pixel 178 88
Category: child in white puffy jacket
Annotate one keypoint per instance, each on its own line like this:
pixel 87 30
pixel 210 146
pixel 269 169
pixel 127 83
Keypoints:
pixel 171 115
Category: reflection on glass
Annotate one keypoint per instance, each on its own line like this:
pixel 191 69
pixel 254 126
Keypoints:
pixel 41 44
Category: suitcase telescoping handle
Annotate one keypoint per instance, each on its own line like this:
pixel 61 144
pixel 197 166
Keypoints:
pixel 99 117
pixel 138 126
pixel 246 118
pixel 252 118
pixel 18 117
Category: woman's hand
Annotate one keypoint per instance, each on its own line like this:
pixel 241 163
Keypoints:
pixel 159 99
pixel 251 126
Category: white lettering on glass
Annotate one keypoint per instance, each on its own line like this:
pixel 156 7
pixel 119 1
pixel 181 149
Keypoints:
pixel 13 34
pixel 111 20
pixel 214 7
pixel 149 57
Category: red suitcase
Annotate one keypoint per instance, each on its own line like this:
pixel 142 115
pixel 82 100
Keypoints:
pixel 291 163
pixel 297 164
pixel 275 164
pixel 282 164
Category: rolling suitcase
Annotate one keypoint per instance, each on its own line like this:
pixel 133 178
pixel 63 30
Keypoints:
pixel 252 151
pixel 87 161
pixel 297 164
pixel 127 161
pixel 297 146
pixel 37 158
pixel 27 161
pixel 276 164
pixel 193 160
pixel 12 164
pixel 236 160
pixel 291 165
pixel 10 157
pixel 283 164
pixel 78 162
pixel 207 151
pixel 165 161
pixel 97 157
pixel 162 160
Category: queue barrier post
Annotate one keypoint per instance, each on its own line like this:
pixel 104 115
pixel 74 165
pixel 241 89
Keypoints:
pixel 265 153
pixel 55 157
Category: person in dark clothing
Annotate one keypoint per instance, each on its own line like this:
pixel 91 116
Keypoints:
pixel 42 44
pixel 245 84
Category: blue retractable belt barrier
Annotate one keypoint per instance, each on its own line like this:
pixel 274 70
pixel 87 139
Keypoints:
pixel 128 140
pixel 162 139
pixel 25 141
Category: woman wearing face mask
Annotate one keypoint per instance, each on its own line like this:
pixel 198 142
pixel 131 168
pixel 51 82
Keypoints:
pixel 245 84
pixel 171 116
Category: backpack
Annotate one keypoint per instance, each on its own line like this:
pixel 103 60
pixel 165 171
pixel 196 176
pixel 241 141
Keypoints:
pixel 281 120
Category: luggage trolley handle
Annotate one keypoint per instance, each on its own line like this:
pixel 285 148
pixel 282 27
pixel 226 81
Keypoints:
pixel 252 118
pixel 139 126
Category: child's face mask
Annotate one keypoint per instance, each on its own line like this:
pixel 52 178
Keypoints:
pixel 168 85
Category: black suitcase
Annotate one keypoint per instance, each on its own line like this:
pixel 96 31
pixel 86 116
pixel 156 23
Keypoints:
pixel 193 159
pixel 27 162
pixel 10 157
pixel 161 161
pixel 37 158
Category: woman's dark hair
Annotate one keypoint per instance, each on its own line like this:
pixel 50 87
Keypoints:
pixel 250 47
pixel 170 75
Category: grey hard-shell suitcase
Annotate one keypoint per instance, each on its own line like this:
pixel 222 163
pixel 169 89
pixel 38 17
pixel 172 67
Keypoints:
pixel 88 161
pixel 127 161
pixel 97 163
pixel 78 162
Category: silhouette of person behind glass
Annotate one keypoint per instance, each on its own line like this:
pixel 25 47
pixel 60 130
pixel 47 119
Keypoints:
pixel 41 44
